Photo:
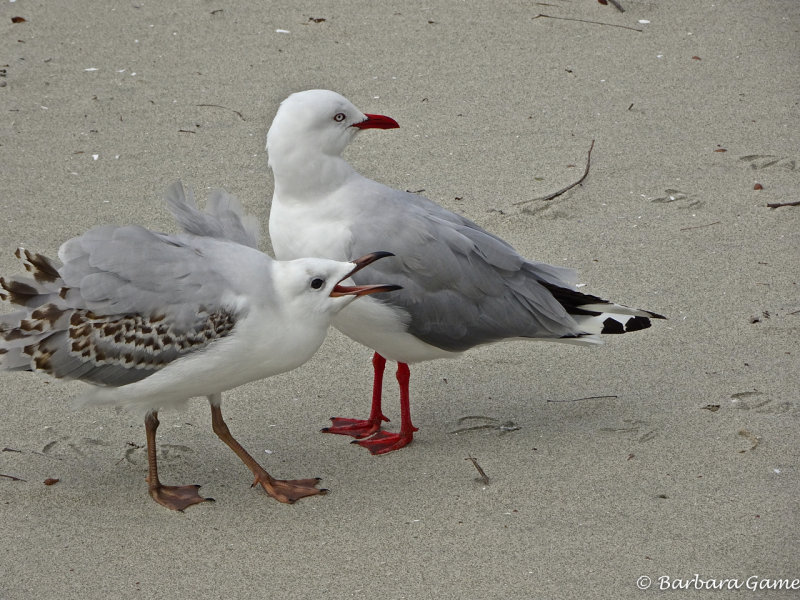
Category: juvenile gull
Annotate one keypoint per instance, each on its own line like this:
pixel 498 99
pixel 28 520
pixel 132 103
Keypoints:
pixel 462 286
pixel 151 320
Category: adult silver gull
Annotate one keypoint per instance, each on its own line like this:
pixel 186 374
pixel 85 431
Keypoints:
pixel 151 320
pixel 462 286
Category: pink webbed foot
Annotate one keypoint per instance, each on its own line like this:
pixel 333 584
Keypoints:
pixel 177 497
pixel 288 491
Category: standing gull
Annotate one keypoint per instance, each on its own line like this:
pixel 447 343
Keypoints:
pixel 151 320
pixel 462 286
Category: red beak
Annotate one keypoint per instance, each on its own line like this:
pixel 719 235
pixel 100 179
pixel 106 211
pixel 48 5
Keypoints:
pixel 377 122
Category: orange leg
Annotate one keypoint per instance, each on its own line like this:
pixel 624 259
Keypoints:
pixel 283 491
pixel 176 497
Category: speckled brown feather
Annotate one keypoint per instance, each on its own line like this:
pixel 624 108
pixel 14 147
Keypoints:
pixel 43 269
pixel 74 342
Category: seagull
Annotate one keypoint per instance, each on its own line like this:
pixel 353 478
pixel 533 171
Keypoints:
pixel 462 286
pixel 150 320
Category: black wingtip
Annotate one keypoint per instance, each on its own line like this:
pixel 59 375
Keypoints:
pixel 613 326
pixel 637 323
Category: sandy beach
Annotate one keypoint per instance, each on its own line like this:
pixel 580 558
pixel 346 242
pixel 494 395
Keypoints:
pixel 667 458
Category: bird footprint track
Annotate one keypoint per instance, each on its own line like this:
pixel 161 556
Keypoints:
pixel 681 199
pixel 765 161
pixel 633 427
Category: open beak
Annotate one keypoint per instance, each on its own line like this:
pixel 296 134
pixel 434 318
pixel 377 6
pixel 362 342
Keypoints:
pixel 363 290
pixel 377 122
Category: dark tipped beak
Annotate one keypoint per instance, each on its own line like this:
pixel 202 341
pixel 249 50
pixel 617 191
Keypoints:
pixel 377 122
pixel 363 290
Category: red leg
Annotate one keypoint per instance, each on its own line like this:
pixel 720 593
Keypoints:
pixel 383 442
pixel 359 428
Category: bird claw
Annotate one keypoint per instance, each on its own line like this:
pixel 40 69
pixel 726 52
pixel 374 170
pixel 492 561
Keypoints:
pixel 357 428
pixel 177 497
pixel 384 441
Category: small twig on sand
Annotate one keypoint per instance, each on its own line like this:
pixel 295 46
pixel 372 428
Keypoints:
pixel 483 475
pixel 587 398
pixel 226 108
pixel 569 187
pixel 12 478
pixel 617 5
pixel 585 21
pixel 700 226
pixel 779 204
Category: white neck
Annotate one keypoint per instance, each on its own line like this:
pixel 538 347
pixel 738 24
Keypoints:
pixel 304 173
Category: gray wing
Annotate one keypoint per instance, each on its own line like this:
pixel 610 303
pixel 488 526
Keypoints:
pixel 476 287
pixel 126 302
pixel 223 218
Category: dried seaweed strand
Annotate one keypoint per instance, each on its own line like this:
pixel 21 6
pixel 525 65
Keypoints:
pixel 226 108
pixel 617 5
pixel 483 475
pixel 585 21
pixel 587 398
pixel 569 187
pixel 779 204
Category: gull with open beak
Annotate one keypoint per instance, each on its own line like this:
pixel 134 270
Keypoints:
pixel 150 320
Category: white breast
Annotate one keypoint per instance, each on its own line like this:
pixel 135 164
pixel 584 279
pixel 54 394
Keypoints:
pixel 301 229
pixel 383 328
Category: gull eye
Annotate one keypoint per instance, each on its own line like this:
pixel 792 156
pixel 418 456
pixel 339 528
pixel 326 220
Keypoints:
pixel 339 117
pixel 317 283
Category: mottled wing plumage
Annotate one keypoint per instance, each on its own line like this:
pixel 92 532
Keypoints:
pixel 117 350
pixel 126 302
pixel 131 270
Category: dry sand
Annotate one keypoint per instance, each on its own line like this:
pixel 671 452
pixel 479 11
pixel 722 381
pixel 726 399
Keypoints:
pixel 687 465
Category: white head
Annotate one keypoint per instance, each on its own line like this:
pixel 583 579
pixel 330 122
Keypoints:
pixel 317 122
pixel 312 289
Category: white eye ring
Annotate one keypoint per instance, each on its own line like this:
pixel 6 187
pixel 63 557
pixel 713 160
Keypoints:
pixel 317 283
pixel 339 117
